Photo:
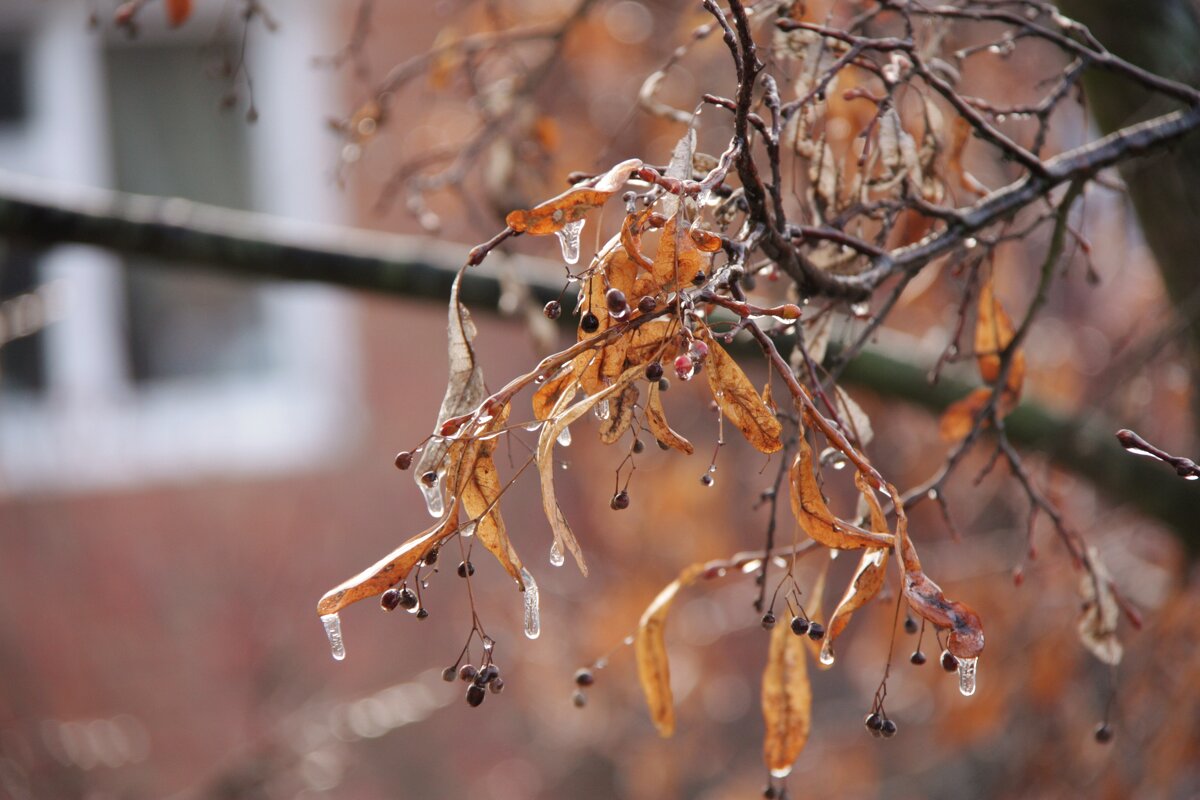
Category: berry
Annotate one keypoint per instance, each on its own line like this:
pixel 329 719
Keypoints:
pixel 699 350
pixel 403 459
pixel 654 371
pixel 489 673
pixel 663 384
pixel 465 569
pixel 698 279
pixel 768 620
pixel 423 613
pixel 590 323
pixel 431 557
pixel 616 302
pixel 467 672
pixel 910 625
pixel 949 662
pixel 799 626
pixel 874 722
pixel 475 695
pixel 770 793
pixel 706 479
pixel 553 310
pixel 449 674
pixel 889 729
pixel 662 445
pixel 408 598
pixel 584 677
pixel 816 631
pixel 1104 733
pixel 917 658
pixel 638 446
pixel 579 699
pixel 390 599
pixel 647 304
pixel 620 501
pixel 496 686
pixel 684 368
pixel 429 478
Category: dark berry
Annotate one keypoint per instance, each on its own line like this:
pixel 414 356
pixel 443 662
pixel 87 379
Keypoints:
pixel 408 598
pixel 654 371
pixel 770 793
pixel 403 459
pixel 496 686
pixel 638 446
pixel 799 626
pixel 590 323
pixel 465 569
pixel 662 445
pixel 616 302
pixel 390 599
pixel 768 619
pixel 423 613
pixel 429 478
pixel 874 722
pixel 663 384
pixel 489 673
pixel 467 672
pixel 584 677
pixel 917 658
pixel 1104 733
pixel 706 479
pixel 553 310
pixel 449 674
pixel 889 729
pixel 910 625
pixel 949 662
pixel 698 279
pixel 475 695
pixel 431 557
pixel 816 631
pixel 579 699
pixel 647 304
pixel 620 501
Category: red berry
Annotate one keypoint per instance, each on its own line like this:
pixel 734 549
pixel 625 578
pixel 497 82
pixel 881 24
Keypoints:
pixel 403 459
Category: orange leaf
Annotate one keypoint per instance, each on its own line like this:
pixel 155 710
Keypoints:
pixel 993 332
pixel 480 495
pixel 678 259
pixel 178 11
pixel 573 204
pixel 959 416
pixel 549 392
pixel 656 420
pixel 786 701
pixel 865 584
pixel 739 400
pixel 650 652
pixel 620 415
pixel 599 368
pixel 814 516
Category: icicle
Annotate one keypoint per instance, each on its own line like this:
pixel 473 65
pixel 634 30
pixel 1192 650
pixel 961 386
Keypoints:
pixel 557 558
pixel 533 616
pixel 333 629
pixel 966 675
pixel 433 497
pixel 601 409
pixel 827 653
pixel 568 239
pixel 564 437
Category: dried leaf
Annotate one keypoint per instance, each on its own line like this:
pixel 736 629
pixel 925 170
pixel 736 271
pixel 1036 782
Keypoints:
pixel 549 392
pixel 680 167
pixel 615 271
pixel 620 415
pixel 866 583
pixel 817 330
pixel 391 569
pixel 959 417
pixel 573 204
pixel 481 492
pixel 993 332
pixel 562 417
pixel 962 135
pixel 814 516
pixel 1098 625
pixel 928 600
pixel 656 420
pixel 786 700
pixel 739 401
pixel 678 259
pixel 652 341
pixel 650 652
pixel 465 389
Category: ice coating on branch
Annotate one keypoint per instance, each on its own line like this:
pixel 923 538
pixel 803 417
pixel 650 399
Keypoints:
pixel 966 675
pixel 557 557
pixel 533 615
pixel 433 497
pixel 333 629
pixel 568 238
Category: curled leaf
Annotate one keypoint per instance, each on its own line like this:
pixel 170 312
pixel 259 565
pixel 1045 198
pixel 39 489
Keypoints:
pixel 620 415
pixel 739 401
pixel 786 700
pixel 656 420
pixel 650 652
pixel 814 516
pixel 1098 625
pixel 549 392
pixel 928 600
pixel 678 259
pixel 573 204
pixel 866 583
pixel 480 493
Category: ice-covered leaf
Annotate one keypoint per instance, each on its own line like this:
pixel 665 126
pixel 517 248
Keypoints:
pixel 786 701
pixel 650 652
pixel 680 167
pixel 1098 625
pixel 928 600
pixel 813 514
pixel 599 367
pixel 620 415
pixel 866 583
pixel 855 418
pixel 656 420
pixel 480 492
pixel 549 392
pixel 678 259
pixel 572 205
pixel 740 401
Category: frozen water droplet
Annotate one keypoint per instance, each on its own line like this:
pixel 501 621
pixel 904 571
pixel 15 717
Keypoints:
pixel 827 653
pixel 564 437
pixel 860 309
pixel 557 558
pixel 568 239
pixel 468 530
pixel 966 675
pixel 333 629
pixel 602 410
pixel 833 554
pixel 533 426
pixel 433 497
pixel 1191 477
pixel 533 615
pixel 782 772
pixel 971 243
pixel 628 640
pixel 489 643
pixel 932 494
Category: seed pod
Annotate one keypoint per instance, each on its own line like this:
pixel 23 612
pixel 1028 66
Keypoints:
pixel 949 662
pixel 390 599
pixel 816 631
pixel 768 619
pixel 799 626
pixel 465 569
pixel 590 323
pixel 552 310
pixel 654 371
pixel 467 672
pixel 475 695
pixel 404 459
pixel 620 501
pixel 584 677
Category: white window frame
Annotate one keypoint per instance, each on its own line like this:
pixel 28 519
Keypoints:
pixel 91 428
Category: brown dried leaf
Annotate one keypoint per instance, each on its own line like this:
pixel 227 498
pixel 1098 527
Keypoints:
pixel 549 392
pixel 786 700
pixel 739 401
pixel 650 652
pixel 854 417
pixel 867 582
pixel 1101 612
pixel 814 516
pixel 656 420
pixel 652 341
pixel 480 493
pixel 389 570
pixel 620 415
pixel 959 417
pixel 616 271
pixel 678 259
pixel 993 332
pixel 962 135
pixel 928 600
pixel 573 204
